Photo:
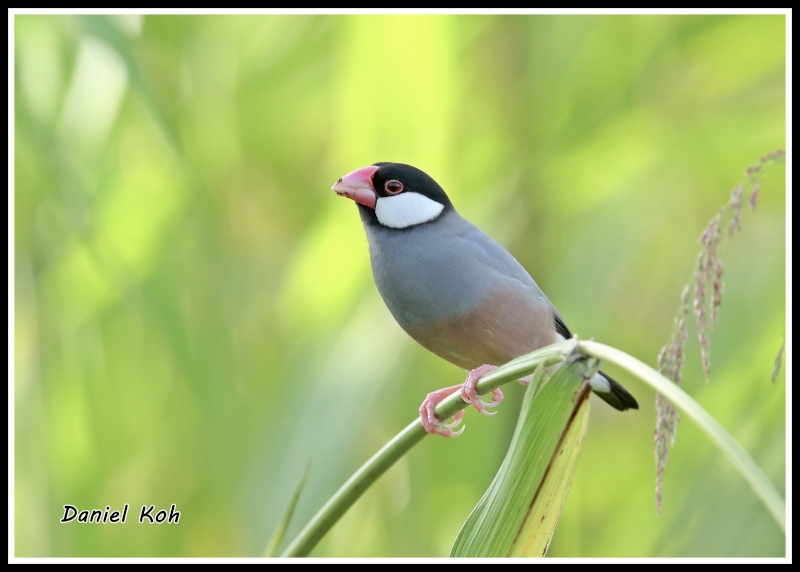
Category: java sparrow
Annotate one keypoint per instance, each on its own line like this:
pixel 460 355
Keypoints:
pixel 451 287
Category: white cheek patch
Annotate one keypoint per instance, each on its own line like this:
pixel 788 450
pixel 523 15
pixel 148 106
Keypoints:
pixel 406 209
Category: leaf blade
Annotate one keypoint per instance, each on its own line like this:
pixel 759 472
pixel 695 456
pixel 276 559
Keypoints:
pixel 548 504
pixel 503 521
pixel 279 533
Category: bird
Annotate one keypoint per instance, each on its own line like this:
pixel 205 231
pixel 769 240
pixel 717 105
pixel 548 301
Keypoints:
pixel 451 287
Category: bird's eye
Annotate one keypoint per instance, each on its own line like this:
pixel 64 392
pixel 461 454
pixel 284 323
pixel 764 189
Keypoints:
pixel 393 187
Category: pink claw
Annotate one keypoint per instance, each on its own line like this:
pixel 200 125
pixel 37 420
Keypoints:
pixel 429 421
pixel 455 422
pixel 470 395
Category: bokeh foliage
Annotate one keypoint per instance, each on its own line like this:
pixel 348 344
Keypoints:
pixel 195 318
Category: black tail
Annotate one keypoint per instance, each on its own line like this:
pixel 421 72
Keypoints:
pixel 618 397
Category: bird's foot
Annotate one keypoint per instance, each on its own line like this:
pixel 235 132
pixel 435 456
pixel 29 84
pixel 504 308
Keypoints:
pixel 525 380
pixel 470 395
pixel 429 421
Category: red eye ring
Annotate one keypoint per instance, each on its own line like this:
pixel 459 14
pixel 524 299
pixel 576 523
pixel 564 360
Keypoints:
pixel 393 187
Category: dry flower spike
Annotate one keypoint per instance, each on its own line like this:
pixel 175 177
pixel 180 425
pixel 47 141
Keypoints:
pixel 708 274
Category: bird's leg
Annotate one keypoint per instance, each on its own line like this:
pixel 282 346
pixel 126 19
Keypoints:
pixel 470 395
pixel 429 421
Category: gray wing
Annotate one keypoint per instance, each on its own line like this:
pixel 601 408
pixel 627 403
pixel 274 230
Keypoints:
pixel 488 253
pixel 495 256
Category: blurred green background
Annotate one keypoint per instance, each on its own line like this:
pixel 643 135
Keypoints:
pixel 195 317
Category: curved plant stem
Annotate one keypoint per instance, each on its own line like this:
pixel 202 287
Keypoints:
pixel 755 477
pixel 353 488
pixel 381 461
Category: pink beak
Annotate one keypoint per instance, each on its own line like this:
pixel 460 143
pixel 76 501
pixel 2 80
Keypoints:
pixel 358 186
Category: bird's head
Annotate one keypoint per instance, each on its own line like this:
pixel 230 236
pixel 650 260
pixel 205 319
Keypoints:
pixel 394 195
